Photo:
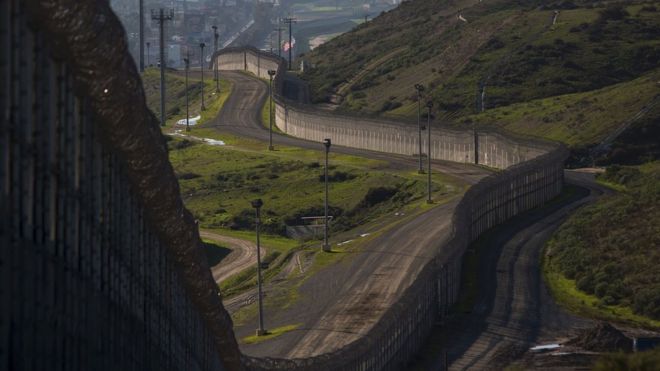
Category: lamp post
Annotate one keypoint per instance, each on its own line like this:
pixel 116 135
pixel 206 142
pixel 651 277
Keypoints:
pixel 429 105
pixel 148 62
pixel 271 73
pixel 215 65
pixel 420 89
pixel 326 246
pixel 201 59
pixel 257 206
pixel 186 60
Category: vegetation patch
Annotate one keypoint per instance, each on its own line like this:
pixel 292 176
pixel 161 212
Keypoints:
pixel 218 183
pixel 175 95
pixel 270 334
pixel 603 261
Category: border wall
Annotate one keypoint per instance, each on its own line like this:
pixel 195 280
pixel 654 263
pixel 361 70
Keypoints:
pixel 101 266
pixel 532 174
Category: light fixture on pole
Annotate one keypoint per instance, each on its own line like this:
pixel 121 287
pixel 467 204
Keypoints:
pixel 201 60
pixel 257 204
pixel 429 105
pixel 326 246
pixel 420 89
pixel 271 73
pixel 215 64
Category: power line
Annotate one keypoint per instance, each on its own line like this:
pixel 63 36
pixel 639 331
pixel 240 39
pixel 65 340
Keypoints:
pixel 290 21
pixel 161 17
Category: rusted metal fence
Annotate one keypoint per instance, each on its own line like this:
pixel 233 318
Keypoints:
pixel 91 278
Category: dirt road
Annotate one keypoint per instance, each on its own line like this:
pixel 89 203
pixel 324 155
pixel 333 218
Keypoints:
pixel 342 301
pixel 514 310
pixel 243 255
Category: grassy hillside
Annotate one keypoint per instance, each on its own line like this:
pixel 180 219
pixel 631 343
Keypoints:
pixel 175 94
pixel 604 260
pixel 218 183
pixel 572 80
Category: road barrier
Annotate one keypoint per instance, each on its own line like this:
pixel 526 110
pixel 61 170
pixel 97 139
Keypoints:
pixel 532 174
pixel 100 263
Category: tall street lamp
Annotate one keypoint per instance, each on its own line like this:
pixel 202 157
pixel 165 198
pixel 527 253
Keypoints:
pixel 201 46
pixel 326 246
pixel 186 60
pixel 429 105
pixel 257 206
pixel 271 73
pixel 420 89
pixel 215 65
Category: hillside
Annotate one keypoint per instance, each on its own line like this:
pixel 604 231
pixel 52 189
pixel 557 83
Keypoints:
pixel 604 260
pixel 529 62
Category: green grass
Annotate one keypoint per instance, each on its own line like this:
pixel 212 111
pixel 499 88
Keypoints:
pixel 565 293
pixel 641 361
pixel 175 100
pixel 270 334
pixel 218 183
pixel 265 117
pixel 574 81
pixel 575 119
pixel 602 262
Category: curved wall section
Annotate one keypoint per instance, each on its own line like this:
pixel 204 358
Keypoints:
pixel 532 173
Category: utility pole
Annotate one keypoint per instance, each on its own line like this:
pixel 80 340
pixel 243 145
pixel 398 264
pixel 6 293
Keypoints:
pixel 429 105
pixel 279 40
pixel 290 21
pixel 161 17
pixel 141 35
pixel 148 53
pixel 420 89
pixel 215 64
pixel 186 60
pixel 257 206
pixel 271 73
pixel 326 246
pixel 201 60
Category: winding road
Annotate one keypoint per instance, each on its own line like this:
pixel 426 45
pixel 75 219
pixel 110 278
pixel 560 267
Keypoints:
pixel 243 254
pixel 514 309
pixel 342 301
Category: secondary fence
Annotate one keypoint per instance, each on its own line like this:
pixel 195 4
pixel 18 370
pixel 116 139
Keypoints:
pixel 532 174
pixel 100 264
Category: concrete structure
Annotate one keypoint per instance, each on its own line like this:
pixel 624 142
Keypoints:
pixel 532 174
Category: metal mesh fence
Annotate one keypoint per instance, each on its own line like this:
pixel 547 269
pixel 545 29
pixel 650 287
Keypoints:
pixel 100 264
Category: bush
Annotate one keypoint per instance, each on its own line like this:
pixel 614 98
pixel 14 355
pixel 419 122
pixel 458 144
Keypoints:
pixel 613 13
pixel 337 176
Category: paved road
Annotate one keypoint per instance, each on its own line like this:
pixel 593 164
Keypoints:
pixel 342 301
pixel 243 254
pixel 514 310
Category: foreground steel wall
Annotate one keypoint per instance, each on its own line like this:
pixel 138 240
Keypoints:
pixel 532 175
pixel 100 264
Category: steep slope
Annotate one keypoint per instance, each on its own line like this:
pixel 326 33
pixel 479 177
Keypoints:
pixel 503 55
